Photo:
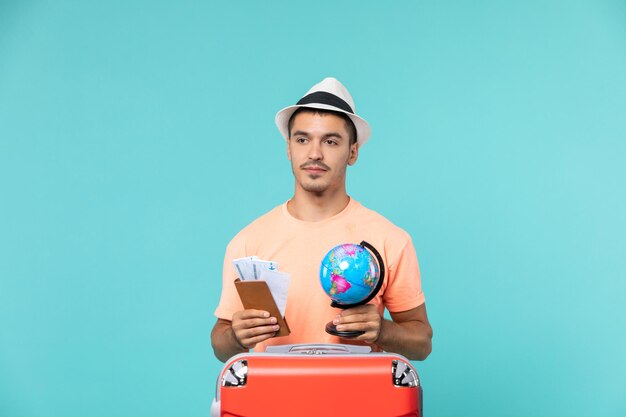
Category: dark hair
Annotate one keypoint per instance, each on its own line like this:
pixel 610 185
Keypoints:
pixel 349 123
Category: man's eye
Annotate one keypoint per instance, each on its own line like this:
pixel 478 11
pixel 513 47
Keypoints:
pixel 331 142
pixel 301 140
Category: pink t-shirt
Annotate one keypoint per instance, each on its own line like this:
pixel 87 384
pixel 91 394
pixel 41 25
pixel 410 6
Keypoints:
pixel 299 247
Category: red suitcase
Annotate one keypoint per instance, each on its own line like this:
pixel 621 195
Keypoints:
pixel 318 380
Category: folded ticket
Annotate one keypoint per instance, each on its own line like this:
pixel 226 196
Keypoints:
pixel 259 265
pixel 244 267
pixel 251 268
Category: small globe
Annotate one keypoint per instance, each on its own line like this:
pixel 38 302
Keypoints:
pixel 349 274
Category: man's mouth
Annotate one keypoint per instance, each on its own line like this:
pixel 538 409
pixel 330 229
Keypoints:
pixel 314 168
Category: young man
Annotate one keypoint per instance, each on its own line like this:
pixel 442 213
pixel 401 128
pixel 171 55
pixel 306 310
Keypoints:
pixel 324 136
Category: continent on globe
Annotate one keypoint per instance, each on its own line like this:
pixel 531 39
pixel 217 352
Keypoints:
pixel 339 284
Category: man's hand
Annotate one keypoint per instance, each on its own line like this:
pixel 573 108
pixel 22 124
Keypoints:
pixel 242 333
pixel 408 332
pixel 253 326
pixel 364 318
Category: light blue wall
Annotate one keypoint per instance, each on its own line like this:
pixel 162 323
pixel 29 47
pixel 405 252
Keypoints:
pixel 136 138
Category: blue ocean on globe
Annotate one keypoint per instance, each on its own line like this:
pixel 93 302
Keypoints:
pixel 349 274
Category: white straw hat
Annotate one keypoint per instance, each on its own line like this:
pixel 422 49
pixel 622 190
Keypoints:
pixel 329 94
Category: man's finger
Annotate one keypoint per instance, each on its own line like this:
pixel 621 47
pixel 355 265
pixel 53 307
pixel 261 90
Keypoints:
pixel 250 313
pixel 356 318
pixel 360 326
pixel 246 334
pixel 255 322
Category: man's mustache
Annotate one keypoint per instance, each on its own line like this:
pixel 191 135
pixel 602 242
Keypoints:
pixel 315 165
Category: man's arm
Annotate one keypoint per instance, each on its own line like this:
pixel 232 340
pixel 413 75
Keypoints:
pixel 409 334
pixel 247 328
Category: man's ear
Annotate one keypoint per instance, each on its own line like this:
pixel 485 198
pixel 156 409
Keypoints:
pixel 288 151
pixel 354 154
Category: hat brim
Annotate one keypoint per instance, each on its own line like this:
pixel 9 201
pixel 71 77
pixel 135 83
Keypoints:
pixel 283 116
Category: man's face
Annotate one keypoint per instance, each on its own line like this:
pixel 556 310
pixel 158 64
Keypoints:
pixel 319 150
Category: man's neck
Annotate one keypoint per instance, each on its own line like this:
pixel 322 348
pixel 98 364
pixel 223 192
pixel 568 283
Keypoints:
pixel 312 207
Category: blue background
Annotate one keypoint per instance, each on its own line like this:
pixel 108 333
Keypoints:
pixel 136 138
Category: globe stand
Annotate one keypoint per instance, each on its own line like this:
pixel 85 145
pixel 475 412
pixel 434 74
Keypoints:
pixel 330 327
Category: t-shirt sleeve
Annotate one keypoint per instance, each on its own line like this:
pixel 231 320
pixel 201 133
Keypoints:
pixel 229 300
pixel 404 288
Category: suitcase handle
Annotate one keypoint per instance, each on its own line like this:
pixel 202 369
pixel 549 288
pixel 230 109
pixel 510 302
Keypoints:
pixel 319 349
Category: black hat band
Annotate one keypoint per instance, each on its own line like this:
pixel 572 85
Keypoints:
pixel 322 97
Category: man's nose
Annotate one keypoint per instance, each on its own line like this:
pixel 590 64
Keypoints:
pixel 315 151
